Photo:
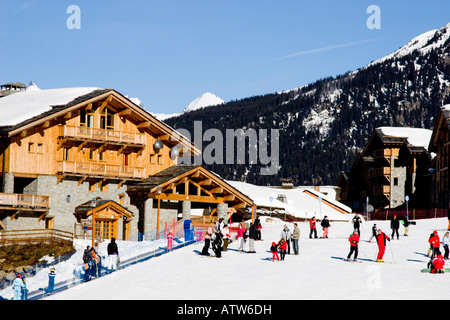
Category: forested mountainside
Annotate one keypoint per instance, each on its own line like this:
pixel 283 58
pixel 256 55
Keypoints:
pixel 323 125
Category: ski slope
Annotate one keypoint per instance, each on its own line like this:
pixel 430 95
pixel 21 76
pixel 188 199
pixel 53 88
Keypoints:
pixel 316 273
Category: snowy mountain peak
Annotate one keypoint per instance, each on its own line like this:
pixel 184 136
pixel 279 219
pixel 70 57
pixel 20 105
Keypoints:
pixel 423 43
pixel 207 99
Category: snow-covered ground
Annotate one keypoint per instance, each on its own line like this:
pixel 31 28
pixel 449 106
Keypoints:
pixel 316 273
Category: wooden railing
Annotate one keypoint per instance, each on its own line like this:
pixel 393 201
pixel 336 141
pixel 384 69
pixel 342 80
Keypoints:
pixel 34 236
pixel 23 200
pixel 100 169
pixel 103 135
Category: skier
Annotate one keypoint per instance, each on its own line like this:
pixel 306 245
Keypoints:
pixel 226 237
pixel 356 223
pixel 51 280
pixel 395 225
pixel 169 241
pixel 24 289
pixel 258 228
pixel 295 237
pixel 381 240
pixel 87 258
pixel 274 250
pixel 325 225
pixel 312 228
pixel 438 264
pixel 18 286
pixel 282 246
pixel 374 232
pixel 445 244
pixel 354 240
pixel 252 235
pixel 435 244
pixel 240 237
pixel 208 234
pixel 217 243
pixel 286 235
pixel 113 254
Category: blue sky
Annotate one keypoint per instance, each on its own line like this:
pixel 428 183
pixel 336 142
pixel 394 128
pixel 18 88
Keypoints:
pixel 167 52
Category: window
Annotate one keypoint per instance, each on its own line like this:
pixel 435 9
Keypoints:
pixel 396 181
pixel 107 119
pixel 91 154
pixel 87 118
pixel 66 154
pixel 40 148
pixel 153 158
pixel 160 159
pixel 31 147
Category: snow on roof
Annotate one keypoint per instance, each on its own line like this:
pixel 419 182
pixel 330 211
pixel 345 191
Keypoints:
pixel 299 203
pixel 416 137
pixel 22 106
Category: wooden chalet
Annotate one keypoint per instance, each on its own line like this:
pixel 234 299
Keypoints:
pixel 61 149
pixel 440 145
pixel 393 165
pixel 190 186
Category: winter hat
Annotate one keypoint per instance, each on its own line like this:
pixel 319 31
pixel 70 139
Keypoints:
pixel 435 232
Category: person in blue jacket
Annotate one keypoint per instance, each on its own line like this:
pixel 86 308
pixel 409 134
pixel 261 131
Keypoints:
pixel 18 285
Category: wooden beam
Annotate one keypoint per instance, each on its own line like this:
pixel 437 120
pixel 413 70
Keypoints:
pixel 239 206
pixel 145 124
pixel 216 190
pixel 206 182
pixel 183 197
pixel 125 112
pixel 105 103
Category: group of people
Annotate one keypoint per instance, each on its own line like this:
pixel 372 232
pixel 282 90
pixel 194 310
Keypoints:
pixel 437 260
pixel 92 259
pixel 217 238
pixel 283 246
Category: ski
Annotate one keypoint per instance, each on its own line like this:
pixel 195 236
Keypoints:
pixel 347 260
pixel 427 270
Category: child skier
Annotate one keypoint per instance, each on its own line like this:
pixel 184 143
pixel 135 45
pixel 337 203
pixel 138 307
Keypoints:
pixel 354 240
pixel 438 264
pixel 381 240
pixel 282 246
pixel 274 250
pixel 169 241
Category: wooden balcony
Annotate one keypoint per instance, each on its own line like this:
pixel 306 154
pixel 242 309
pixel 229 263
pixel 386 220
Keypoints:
pixel 380 172
pixel 23 201
pixel 101 170
pixel 101 135
pixel 382 190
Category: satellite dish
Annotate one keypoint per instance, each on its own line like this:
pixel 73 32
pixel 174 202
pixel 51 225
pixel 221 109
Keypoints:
pixel 158 145
pixel 174 152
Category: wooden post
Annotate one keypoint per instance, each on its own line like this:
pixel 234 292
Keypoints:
pixel 157 218
pixel 387 212
pixel 93 227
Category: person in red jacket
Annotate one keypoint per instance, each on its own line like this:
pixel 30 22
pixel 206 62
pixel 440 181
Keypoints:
pixel 438 264
pixel 435 243
pixel 381 240
pixel 354 240
pixel 282 246
pixel 312 227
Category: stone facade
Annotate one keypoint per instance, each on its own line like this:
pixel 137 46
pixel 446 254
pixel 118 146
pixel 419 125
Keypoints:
pixel 64 197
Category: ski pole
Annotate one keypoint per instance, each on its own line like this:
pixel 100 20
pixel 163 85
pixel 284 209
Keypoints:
pixel 392 253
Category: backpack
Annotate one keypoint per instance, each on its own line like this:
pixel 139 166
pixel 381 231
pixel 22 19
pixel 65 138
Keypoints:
pixel 86 256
